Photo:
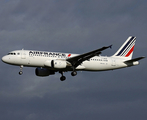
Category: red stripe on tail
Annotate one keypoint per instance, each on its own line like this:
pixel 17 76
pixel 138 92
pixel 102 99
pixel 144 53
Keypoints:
pixel 128 54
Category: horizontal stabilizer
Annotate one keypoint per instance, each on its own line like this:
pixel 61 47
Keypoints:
pixel 134 60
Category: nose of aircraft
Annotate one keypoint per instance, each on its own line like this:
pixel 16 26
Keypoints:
pixel 5 59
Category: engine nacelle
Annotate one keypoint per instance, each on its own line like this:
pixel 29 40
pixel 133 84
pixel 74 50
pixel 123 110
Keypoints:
pixel 58 64
pixel 44 72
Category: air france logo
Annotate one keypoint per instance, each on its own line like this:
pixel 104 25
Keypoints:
pixel 69 55
pixel 37 53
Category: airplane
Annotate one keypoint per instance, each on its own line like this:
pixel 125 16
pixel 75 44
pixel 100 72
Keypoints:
pixel 47 63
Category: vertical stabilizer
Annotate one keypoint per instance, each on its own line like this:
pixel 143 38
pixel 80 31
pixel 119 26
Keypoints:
pixel 126 50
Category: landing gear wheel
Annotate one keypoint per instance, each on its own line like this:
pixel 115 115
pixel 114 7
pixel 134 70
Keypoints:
pixel 62 78
pixel 74 73
pixel 21 67
pixel 20 73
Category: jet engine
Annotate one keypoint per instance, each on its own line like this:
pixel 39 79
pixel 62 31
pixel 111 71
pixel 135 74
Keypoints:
pixel 44 72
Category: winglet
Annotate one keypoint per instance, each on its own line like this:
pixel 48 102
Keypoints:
pixel 110 46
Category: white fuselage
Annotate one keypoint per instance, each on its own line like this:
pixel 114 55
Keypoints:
pixel 47 63
pixel 32 58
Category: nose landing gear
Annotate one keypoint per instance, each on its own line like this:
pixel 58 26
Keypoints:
pixel 20 72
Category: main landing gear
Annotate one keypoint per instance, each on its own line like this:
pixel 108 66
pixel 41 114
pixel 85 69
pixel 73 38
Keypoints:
pixel 74 73
pixel 62 78
pixel 20 72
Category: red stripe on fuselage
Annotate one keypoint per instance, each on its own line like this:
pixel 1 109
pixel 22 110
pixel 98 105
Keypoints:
pixel 130 52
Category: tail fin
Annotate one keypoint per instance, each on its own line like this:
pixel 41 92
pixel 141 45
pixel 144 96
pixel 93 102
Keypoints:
pixel 126 50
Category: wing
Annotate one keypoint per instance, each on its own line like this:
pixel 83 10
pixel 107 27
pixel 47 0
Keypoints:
pixel 77 60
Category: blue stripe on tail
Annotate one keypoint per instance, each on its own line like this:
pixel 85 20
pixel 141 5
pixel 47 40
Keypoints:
pixel 125 46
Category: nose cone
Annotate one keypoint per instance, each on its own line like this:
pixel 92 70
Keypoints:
pixel 5 59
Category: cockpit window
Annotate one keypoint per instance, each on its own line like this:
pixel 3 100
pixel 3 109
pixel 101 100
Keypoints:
pixel 11 53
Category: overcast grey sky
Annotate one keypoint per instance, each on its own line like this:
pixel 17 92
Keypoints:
pixel 75 26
